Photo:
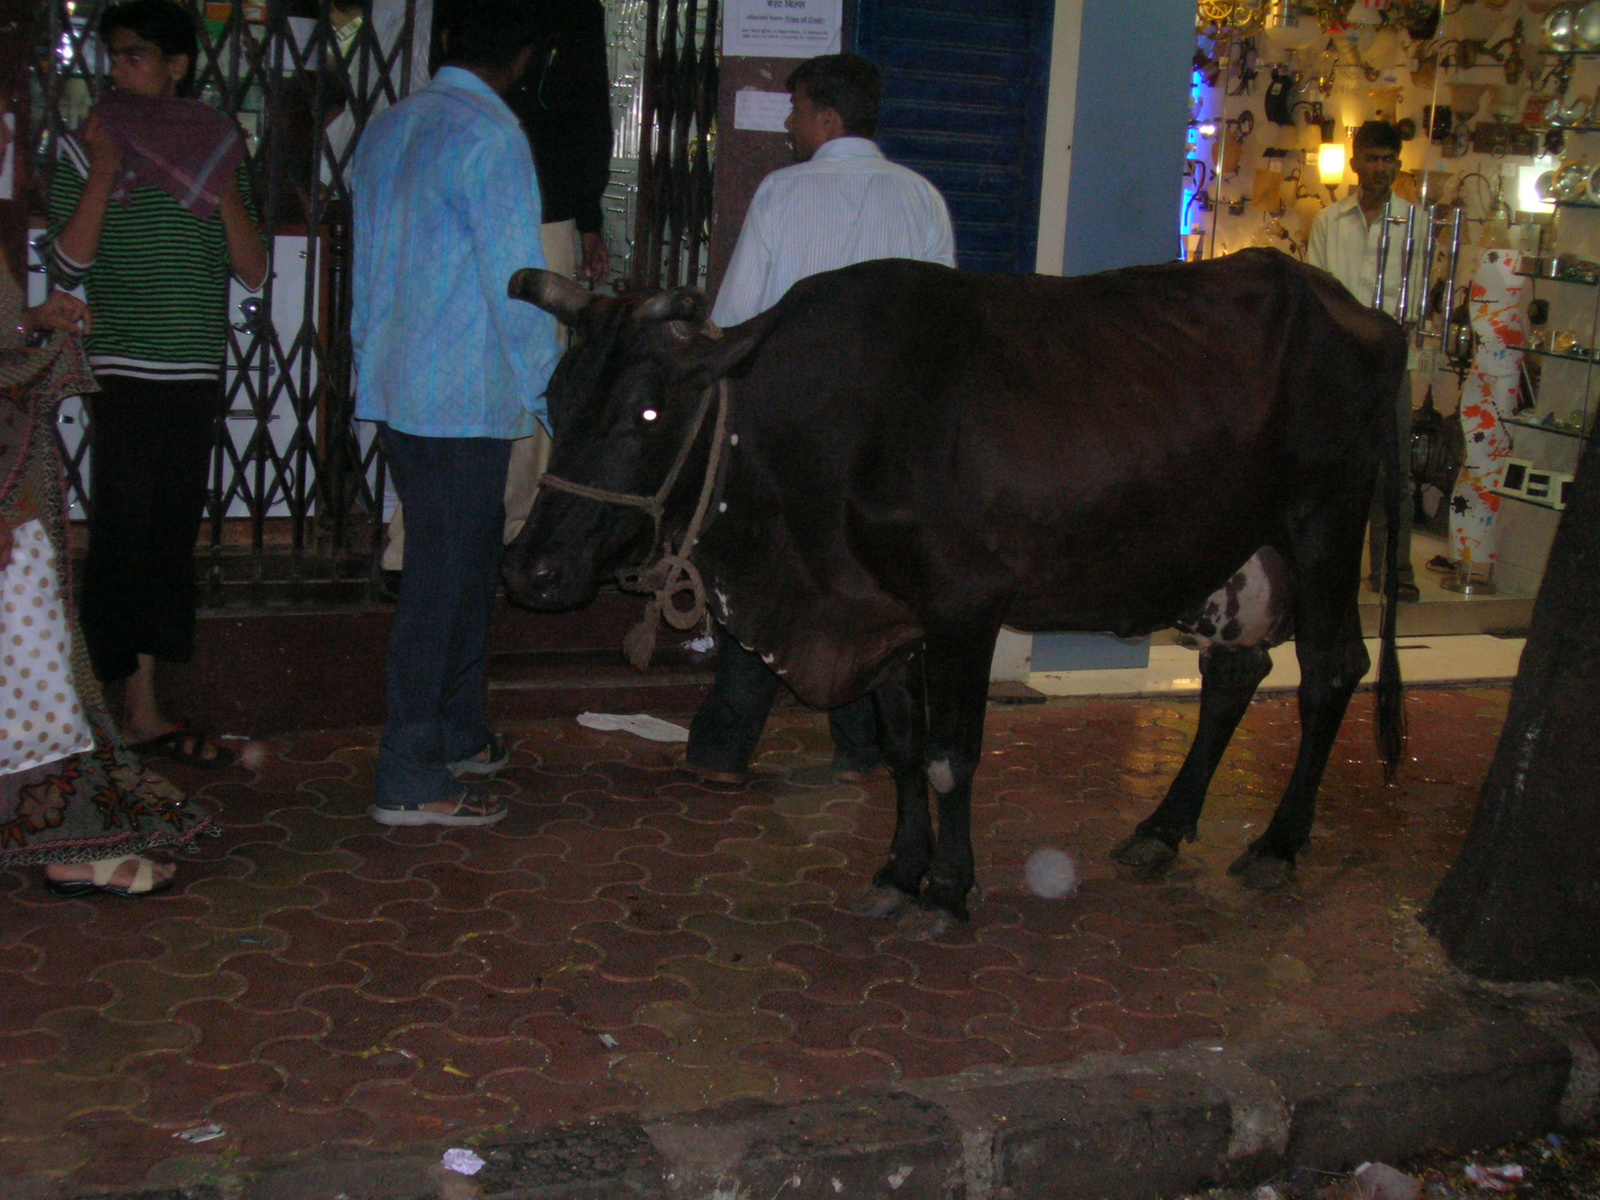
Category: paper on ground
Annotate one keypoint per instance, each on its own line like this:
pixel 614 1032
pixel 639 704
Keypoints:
pixel 642 724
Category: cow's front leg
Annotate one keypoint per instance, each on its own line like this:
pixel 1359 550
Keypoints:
pixel 899 700
pixel 958 694
pixel 1229 676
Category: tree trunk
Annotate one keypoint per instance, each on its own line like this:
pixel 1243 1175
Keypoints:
pixel 1522 901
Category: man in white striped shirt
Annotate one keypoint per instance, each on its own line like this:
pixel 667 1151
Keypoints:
pixel 841 203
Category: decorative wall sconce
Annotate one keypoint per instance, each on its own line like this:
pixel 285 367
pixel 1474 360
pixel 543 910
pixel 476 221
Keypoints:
pixel 1331 162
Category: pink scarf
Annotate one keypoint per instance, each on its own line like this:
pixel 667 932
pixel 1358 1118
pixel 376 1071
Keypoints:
pixel 184 147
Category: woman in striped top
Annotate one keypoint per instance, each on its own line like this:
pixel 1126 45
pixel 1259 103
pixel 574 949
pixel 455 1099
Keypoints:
pixel 149 214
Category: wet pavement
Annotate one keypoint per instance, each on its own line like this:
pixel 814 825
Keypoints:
pixel 629 941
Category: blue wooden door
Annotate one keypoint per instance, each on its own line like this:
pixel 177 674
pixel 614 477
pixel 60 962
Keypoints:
pixel 964 89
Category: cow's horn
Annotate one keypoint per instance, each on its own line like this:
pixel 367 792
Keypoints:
pixel 556 294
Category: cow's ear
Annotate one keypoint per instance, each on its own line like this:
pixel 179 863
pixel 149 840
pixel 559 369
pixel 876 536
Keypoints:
pixel 556 294
pixel 729 354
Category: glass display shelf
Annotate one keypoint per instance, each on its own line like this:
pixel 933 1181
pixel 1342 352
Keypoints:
pixel 1529 500
pixel 1558 430
pixel 1559 279
pixel 1569 356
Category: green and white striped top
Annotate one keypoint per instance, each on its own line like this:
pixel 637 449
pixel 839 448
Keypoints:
pixel 158 288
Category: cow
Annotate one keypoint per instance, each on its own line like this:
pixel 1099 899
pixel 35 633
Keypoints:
pixel 904 457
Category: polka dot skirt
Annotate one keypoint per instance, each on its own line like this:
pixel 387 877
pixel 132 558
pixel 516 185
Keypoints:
pixel 41 719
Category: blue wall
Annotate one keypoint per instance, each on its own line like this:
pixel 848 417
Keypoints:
pixel 1128 146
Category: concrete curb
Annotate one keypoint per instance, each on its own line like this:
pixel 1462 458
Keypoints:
pixel 1465 1074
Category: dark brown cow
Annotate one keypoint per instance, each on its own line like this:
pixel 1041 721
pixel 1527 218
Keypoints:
pixel 915 456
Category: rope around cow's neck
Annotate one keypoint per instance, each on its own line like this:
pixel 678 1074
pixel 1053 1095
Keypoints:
pixel 673 574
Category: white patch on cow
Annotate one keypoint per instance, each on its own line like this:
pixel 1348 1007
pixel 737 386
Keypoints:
pixel 1254 608
pixel 940 775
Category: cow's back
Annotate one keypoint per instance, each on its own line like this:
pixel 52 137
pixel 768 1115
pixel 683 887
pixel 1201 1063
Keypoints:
pixel 1102 451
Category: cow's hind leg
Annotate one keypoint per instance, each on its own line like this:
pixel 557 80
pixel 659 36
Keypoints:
pixel 1330 669
pixel 900 702
pixel 1229 676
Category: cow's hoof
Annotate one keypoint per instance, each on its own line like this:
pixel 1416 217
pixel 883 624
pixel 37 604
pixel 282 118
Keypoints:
pixel 926 924
pixel 1142 850
pixel 1261 873
pixel 877 902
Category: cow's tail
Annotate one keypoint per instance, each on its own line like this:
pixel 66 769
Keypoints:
pixel 1391 694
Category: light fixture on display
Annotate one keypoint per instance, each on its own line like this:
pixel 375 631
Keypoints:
pixel 1331 165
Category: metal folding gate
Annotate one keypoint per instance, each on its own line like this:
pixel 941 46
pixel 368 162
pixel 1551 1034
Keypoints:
pixel 296 499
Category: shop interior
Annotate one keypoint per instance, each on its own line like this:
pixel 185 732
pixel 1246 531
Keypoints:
pixel 1498 104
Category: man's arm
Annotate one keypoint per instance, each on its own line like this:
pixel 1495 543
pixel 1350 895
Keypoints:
pixel 505 237
pixel 78 242
pixel 591 136
pixel 247 252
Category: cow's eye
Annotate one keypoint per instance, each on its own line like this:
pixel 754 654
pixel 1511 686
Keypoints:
pixel 648 414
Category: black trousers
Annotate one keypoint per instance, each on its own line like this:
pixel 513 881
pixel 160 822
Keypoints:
pixel 150 458
pixel 725 731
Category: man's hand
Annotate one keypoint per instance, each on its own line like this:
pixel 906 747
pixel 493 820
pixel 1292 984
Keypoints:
pixel 105 155
pixel 596 259
pixel 62 311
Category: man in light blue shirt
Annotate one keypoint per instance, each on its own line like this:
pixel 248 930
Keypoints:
pixel 446 207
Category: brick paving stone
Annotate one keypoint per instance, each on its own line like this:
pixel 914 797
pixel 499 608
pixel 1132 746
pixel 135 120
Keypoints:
pixel 317 1077
pixel 486 1012
pixel 725 987
pixel 271 984
pixel 630 940
pixel 260 1125
pixel 28 1046
pixel 384 859
pixel 180 1093
pixel 362 1024
pixel 121 1149
pixel 540 1101
pixel 923 1058
pixel 449 1064
pixel 579 1053
pixel 804 1074
pixel 649 910
pixel 669 1084
pixel 403 1115
pixel 822 1026
pixel 394 973
pixel 1045 1003
pixel 1029 1046
pixel 520 963
pixel 313 939
pixel 463 889
pixel 837 978
pixel 350 897
pixel 230 1035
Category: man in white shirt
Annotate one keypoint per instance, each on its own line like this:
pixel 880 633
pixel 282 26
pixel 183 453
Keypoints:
pixel 1344 242
pixel 841 203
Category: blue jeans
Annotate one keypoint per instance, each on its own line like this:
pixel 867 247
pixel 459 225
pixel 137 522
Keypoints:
pixel 725 731
pixel 452 489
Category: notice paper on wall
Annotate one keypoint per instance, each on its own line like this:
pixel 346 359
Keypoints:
pixel 764 112
pixel 781 28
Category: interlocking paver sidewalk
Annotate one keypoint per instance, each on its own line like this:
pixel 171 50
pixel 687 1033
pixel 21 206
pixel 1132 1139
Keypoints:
pixel 631 941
